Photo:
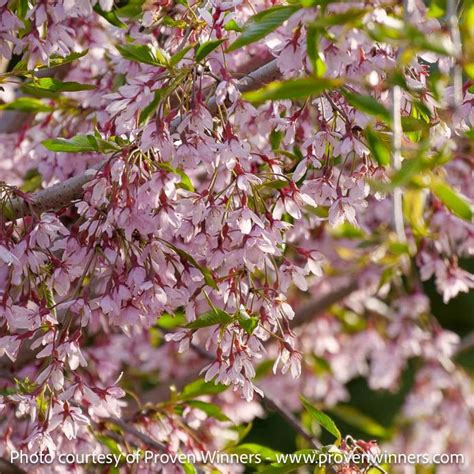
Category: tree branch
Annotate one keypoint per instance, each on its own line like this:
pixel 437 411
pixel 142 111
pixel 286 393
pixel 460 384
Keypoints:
pixel 129 428
pixel 317 306
pixel 64 194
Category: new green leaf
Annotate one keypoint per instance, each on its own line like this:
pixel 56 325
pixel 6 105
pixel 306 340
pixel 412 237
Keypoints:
pixel 80 144
pixel 139 53
pixel 262 24
pixel 200 387
pixel 211 318
pixel 50 87
pixel 378 148
pixel 456 203
pixel 293 89
pixel 324 420
pixel 368 105
pixel 210 409
pixel 27 104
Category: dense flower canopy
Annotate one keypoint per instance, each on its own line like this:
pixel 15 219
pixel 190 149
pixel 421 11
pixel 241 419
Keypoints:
pixel 239 199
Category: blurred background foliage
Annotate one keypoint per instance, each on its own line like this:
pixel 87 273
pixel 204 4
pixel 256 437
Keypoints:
pixel 372 414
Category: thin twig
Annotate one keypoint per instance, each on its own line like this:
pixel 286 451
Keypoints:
pixel 129 428
pixel 466 343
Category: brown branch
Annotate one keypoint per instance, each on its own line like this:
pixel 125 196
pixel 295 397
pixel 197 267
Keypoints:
pixel 317 306
pixel 130 429
pixel 64 194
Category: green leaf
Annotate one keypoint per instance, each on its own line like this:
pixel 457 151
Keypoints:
pixel 206 273
pixel 211 318
pixel 50 87
pixel 171 321
pixel 173 23
pixel 354 417
pixel 80 144
pixel 368 105
pixel 293 89
pixel 187 184
pixel 351 16
pixel 248 324
pixel 139 53
pixel 132 9
pixel 149 110
pixel 437 8
pixel 32 181
pixel 378 148
pixel 204 49
pixel 22 8
pixel 209 408
pixel 176 58
pixel 77 144
pixel 232 25
pixel 27 104
pixel 262 24
pixel 412 124
pixel 47 294
pixel 454 201
pixel 409 169
pixel 110 16
pixel 188 468
pixel 317 3
pixel 200 387
pixel 324 420
pixel 54 61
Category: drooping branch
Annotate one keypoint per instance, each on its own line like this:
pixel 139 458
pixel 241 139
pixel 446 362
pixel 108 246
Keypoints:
pixel 64 194
pixel 130 429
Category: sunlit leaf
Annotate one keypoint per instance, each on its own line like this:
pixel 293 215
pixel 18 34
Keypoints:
pixel 324 420
pixel 139 53
pixel 293 89
pixel 206 48
pixel 368 105
pixel 262 24
pixel 210 409
pixel 110 16
pixel 200 387
pixel 378 148
pixel 354 417
pixel 27 104
pixel 452 199
pixel 211 318
pixel 50 87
